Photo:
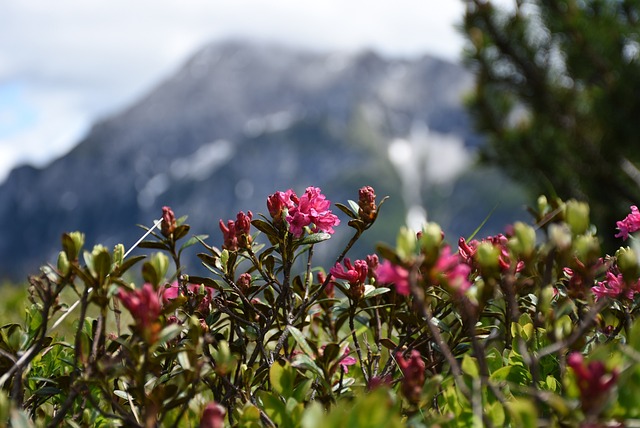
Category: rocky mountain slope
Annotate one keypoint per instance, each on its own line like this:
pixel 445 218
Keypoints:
pixel 239 121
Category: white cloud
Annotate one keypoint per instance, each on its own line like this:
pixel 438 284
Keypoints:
pixel 81 60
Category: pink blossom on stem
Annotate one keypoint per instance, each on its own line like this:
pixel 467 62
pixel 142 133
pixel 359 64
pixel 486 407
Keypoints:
pixel 615 286
pixel 237 234
pixel 354 274
pixel 144 306
pixel 630 224
pixel 413 372
pixel 229 235
pixel 594 380
pixel 213 416
pixel 388 273
pixel 346 360
pixel 452 269
pixel 312 210
pixel 279 202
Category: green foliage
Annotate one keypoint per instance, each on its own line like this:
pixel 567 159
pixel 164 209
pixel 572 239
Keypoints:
pixel 533 328
pixel 556 85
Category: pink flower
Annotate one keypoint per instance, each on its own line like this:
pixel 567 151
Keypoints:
pixel 229 235
pixel 213 416
pixel 468 251
pixel 630 224
pixel 413 376
pixel 279 202
pixel 354 274
pixel 594 380
pixel 615 286
pixel 144 306
pixel 451 269
pixel 237 234
pixel 312 210
pixel 346 360
pixel 388 273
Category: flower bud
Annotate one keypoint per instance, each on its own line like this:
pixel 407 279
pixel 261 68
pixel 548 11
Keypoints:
pixel 577 216
pixel 244 282
pixel 213 416
pixel 413 375
pixel 406 243
pixel 487 256
pixel 543 204
pixel 118 254
pixel 168 222
pixel 63 263
pixel 524 240
pixel 431 238
pixel 560 235
pixel 368 210
pixel 586 249
pixel 628 264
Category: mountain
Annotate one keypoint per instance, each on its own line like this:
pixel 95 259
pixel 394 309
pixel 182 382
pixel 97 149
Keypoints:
pixel 241 120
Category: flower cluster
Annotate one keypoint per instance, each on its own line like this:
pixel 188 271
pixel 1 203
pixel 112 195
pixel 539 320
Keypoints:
pixel 144 305
pixel 355 274
pixel 615 286
pixel 451 271
pixel 309 210
pixel 413 375
pixel 237 234
pixel 630 224
pixel 469 252
pixel 389 273
pixel 594 380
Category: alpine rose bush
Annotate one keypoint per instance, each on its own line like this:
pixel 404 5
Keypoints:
pixel 531 327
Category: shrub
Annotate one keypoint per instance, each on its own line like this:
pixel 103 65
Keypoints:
pixel 527 328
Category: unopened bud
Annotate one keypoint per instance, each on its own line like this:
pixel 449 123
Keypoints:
pixel 577 216
pixel 524 240
pixel 168 222
pixel 431 238
pixel 627 263
pixel 487 256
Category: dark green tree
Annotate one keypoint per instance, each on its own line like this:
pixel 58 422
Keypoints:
pixel 558 97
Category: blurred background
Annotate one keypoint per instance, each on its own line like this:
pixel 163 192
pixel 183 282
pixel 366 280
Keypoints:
pixel 457 110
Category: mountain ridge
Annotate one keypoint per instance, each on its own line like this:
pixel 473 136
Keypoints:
pixel 235 123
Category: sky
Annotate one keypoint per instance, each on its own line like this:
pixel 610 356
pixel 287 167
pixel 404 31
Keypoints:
pixel 66 63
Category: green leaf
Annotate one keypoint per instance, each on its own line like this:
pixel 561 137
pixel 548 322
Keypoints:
pixel 515 374
pixel 282 377
pixel 470 366
pixel 102 264
pixel 192 241
pixel 265 227
pixel 181 232
pixel 523 413
pixel 302 342
pixel 155 245
pixel 371 291
pixel 354 206
pixel 127 264
pixel 346 210
pixel 314 238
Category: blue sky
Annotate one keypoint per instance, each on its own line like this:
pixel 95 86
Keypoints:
pixel 66 63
